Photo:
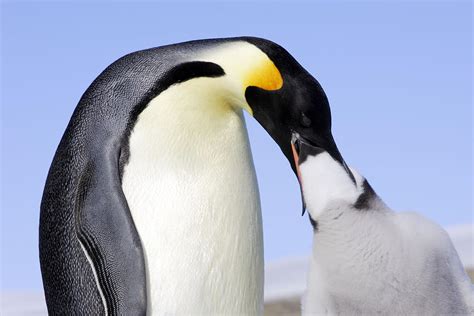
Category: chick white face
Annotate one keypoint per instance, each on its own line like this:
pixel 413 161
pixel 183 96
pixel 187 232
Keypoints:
pixel 326 182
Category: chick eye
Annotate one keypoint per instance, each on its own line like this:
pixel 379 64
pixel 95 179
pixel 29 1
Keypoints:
pixel 305 121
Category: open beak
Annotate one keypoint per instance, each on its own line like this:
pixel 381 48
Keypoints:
pixel 295 149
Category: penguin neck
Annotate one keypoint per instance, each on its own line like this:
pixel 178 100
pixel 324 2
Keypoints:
pixel 348 229
pixel 349 222
pixel 192 191
pixel 353 244
pixel 351 249
pixel 330 191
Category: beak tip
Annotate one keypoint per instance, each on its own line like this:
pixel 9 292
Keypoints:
pixel 303 204
pixel 294 137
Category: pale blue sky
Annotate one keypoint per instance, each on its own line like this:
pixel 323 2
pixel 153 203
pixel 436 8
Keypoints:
pixel 398 76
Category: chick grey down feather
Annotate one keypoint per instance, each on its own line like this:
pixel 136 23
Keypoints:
pixel 368 259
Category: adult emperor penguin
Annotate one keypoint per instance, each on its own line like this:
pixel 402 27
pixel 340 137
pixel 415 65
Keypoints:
pixel 366 258
pixel 151 204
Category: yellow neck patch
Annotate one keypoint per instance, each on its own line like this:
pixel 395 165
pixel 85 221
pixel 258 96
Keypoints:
pixel 265 75
pixel 244 65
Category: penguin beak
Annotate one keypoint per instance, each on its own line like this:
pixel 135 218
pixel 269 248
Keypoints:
pixel 295 148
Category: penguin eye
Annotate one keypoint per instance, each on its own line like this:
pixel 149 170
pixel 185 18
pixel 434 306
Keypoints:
pixel 305 121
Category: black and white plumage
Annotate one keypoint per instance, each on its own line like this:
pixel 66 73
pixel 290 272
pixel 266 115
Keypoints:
pixel 368 259
pixel 151 203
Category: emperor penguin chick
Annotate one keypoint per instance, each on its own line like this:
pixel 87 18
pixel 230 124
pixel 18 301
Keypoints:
pixel 368 259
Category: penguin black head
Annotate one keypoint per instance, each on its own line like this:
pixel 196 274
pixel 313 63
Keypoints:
pixel 299 106
pixel 295 113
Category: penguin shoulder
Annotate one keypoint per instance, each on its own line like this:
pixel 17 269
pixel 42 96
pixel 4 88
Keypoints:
pixel 424 232
pixel 440 268
pixel 431 246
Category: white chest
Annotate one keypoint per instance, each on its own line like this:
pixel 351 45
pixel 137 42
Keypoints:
pixel 191 188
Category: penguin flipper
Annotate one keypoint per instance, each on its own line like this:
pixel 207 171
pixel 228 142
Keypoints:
pixel 107 233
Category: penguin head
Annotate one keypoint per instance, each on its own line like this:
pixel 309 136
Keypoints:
pixel 327 183
pixel 324 181
pixel 297 106
pixel 294 111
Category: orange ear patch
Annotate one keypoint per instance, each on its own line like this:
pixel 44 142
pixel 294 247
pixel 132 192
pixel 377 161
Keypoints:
pixel 265 76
